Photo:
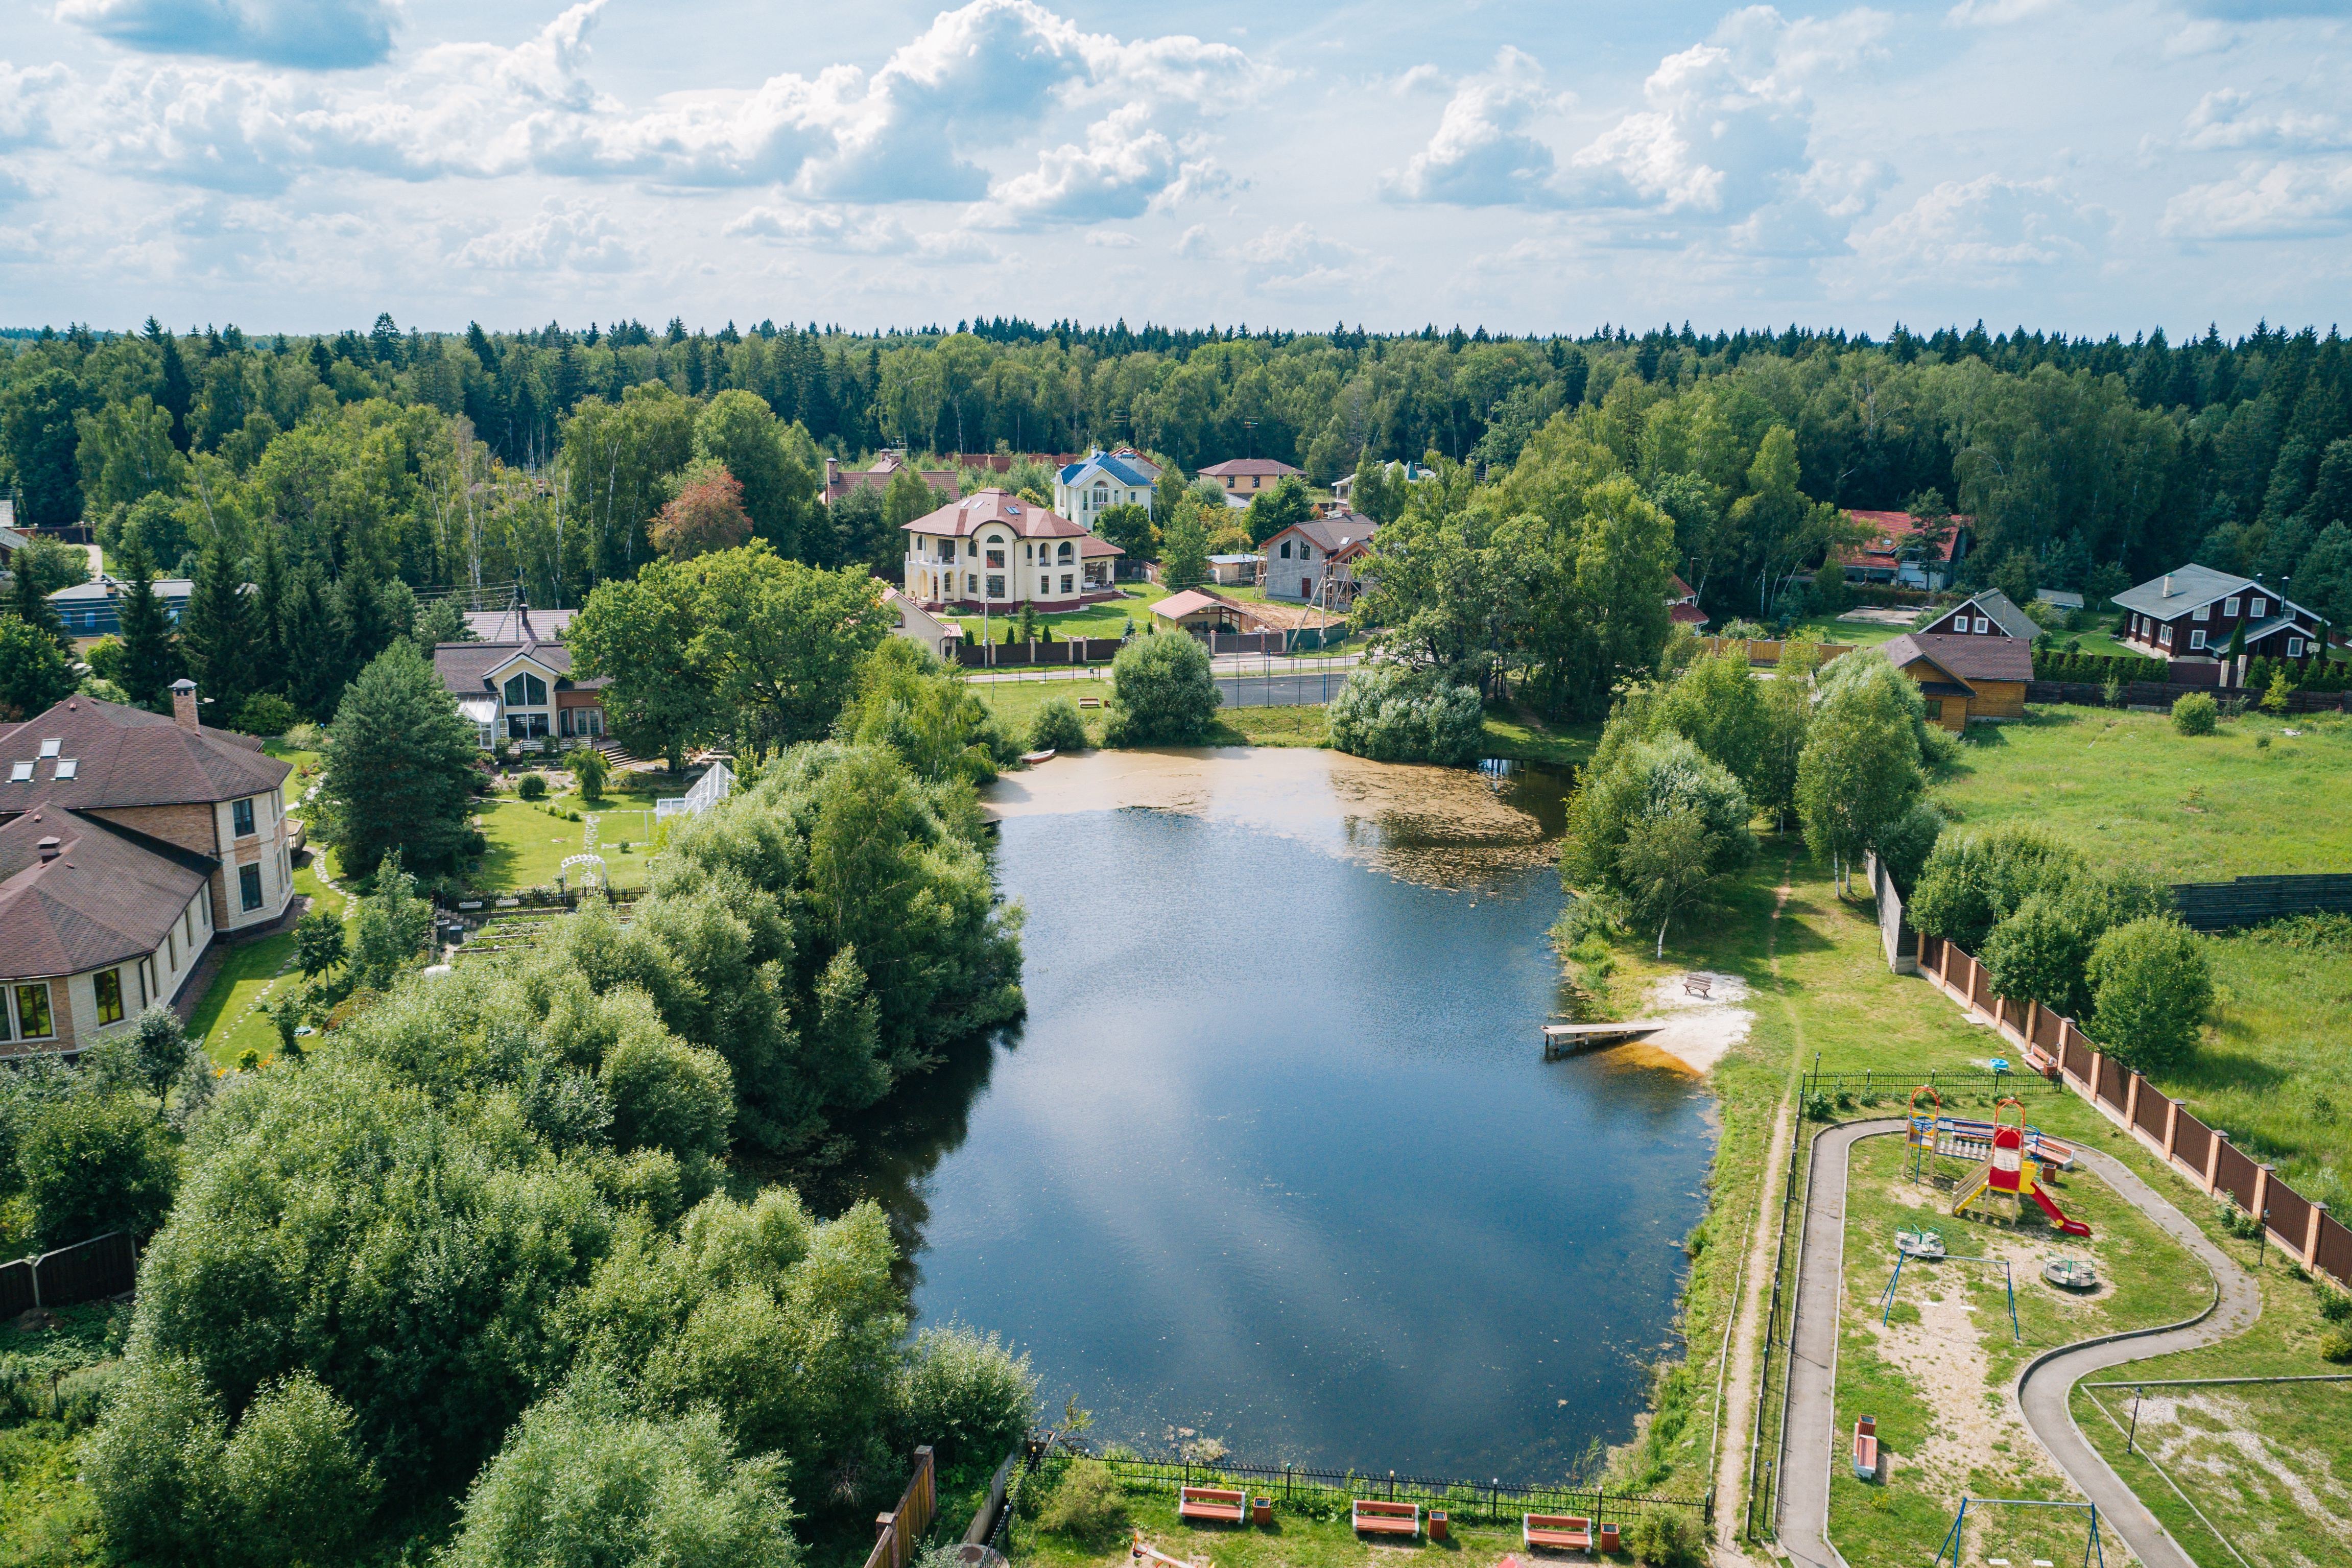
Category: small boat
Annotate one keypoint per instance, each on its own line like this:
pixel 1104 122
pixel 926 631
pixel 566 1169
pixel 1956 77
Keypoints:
pixel 1034 757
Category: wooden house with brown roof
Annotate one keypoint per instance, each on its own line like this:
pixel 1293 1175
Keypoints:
pixel 1965 678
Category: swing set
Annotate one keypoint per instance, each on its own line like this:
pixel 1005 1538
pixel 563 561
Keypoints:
pixel 2092 1548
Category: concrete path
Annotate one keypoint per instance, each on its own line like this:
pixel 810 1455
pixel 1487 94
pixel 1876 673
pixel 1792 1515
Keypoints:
pixel 1809 1442
pixel 1812 1445
pixel 2043 1388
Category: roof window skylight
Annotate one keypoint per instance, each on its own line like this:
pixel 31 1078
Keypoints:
pixel 68 767
pixel 20 772
pixel 49 748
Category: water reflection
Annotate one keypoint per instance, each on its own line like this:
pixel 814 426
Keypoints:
pixel 1276 1157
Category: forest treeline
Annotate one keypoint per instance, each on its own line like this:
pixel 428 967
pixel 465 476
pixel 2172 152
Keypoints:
pixel 484 457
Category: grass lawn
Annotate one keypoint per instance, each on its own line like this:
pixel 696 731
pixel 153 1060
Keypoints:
pixel 1514 732
pixel 2125 789
pixel 1936 1376
pixel 1108 620
pixel 295 782
pixel 528 845
pixel 2267 1467
pixel 227 1019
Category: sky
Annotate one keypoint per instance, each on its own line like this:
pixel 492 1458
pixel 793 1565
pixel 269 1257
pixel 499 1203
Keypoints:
pixel 298 166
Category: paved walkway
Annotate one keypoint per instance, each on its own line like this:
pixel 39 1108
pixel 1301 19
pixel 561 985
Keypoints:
pixel 1812 1445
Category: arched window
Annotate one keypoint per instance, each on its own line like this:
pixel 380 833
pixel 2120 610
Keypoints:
pixel 1066 552
pixel 526 690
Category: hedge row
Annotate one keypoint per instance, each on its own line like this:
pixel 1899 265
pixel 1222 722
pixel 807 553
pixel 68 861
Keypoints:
pixel 2094 667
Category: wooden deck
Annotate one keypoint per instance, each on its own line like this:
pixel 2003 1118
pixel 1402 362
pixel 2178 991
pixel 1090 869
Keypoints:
pixel 1561 1039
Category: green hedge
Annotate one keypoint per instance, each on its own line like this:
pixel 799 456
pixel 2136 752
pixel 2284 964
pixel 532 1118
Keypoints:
pixel 2097 670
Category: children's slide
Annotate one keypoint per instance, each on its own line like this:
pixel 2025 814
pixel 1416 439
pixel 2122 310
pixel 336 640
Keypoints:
pixel 2057 1215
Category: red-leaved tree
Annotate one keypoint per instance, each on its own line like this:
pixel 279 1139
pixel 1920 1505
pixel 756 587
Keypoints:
pixel 707 514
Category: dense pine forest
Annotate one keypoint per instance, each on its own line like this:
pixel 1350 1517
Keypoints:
pixel 478 458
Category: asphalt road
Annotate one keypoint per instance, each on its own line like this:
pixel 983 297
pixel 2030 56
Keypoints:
pixel 1812 1447
pixel 1281 690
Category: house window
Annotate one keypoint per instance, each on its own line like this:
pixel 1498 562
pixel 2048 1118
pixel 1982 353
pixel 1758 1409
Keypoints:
pixel 1063 554
pixel 240 816
pixel 1066 588
pixel 108 984
pixel 33 1020
pixel 526 726
pixel 2294 647
pixel 249 887
pixel 970 583
pixel 2229 606
pixel 1102 495
pixel 2258 608
pixel 2165 636
pixel 995 586
pixel 526 691
pixel 2201 613
pixel 2195 640
pixel 1981 626
pixel 1256 480
pixel 996 558
pixel 1286 550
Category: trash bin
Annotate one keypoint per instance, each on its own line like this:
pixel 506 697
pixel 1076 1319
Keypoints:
pixel 1261 1511
pixel 1608 1538
pixel 1438 1524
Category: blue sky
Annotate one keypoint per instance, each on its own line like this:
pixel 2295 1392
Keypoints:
pixel 298 164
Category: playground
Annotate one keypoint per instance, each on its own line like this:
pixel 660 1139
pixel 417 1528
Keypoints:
pixel 1930 1347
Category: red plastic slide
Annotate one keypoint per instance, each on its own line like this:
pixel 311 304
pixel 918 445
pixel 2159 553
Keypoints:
pixel 2057 1217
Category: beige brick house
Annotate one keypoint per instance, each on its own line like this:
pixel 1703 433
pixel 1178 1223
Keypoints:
pixel 129 842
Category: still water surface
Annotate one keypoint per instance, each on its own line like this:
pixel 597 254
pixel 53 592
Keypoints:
pixel 1274 1157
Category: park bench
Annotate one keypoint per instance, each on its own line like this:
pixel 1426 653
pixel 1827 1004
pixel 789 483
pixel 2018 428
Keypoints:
pixel 1374 1517
pixel 1866 1449
pixel 1565 1532
pixel 1213 1505
pixel 1697 985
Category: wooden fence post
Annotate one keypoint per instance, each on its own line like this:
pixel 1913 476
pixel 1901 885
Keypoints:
pixel 2311 1237
pixel 2033 1019
pixel 2131 1099
pixel 2261 1194
pixel 2213 1160
pixel 2098 1069
pixel 2171 1129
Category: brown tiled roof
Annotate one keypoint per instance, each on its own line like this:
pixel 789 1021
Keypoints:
pixel 128 756
pixel 1244 467
pixel 108 897
pixel 1970 658
pixel 957 518
pixel 1333 531
pixel 1094 546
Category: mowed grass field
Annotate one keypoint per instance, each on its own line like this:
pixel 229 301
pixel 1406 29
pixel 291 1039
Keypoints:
pixel 2259 797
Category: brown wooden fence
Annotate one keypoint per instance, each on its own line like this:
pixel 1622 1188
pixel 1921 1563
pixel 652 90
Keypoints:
pixel 2056 1047
pixel 2164 693
pixel 899 1534
pixel 2221 906
pixel 87 1271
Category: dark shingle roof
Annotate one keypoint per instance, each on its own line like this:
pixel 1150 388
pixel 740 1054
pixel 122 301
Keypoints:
pixel 108 897
pixel 1244 467
pixel 465 667
pixel 2192 585
pixel 128 756
pixel 1997 607
pixel 1334 532
pixel 1970 658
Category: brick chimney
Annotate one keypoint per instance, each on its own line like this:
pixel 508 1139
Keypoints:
pixel 183 703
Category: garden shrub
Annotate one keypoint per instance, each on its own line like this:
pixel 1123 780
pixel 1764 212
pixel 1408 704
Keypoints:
pixel 1904 847
pixel 2336 1344
pixel 589 767
pixel 2151 989
pixel 1087 1505
pixel 267 713
pixel 1392 714
pixel 294 1484
pixel 2195 714
pixel 1058 727
pixel 1161 693
pixel 2335 1305
pixel 532 787
pixel 965 1394
pixel 1667 1537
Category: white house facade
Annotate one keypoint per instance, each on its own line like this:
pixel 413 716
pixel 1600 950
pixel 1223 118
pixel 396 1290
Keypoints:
pixel 1086 488
pixel 992 550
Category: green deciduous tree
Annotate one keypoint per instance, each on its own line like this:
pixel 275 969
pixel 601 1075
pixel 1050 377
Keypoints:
pixel 93 1163
pixel 1654 826
pixel 1860 769
pixel 318 941
pixel 906 699
pixel 640 635
pixel 399 766
pixel 34 674
pixel 782 641
pixel 388 934
pixel 1285 506
pixel 2151 988
pixel 738 431
pixel 1185 549
pixel 1129 527
pixel 1161 693
pixel 1392 714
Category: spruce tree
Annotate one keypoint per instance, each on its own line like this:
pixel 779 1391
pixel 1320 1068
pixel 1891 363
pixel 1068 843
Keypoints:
pixel 314 644
pixel 218 632
pixel 150 656
pixel 33 606
pixel 270 586
pixel 400 766
pixel 360 615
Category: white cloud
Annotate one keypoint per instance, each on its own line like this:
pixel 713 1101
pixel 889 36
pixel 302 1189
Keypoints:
pixel 1981 232
pixel 1727 136
pixel 2227 119
pixel 29 100
pixel 1298 260
pixel 2289 200
pixel 1482 153
pixel 1112 240
pixel 1995 12
pixel 1123 167
pixel 852 233
pixel 317 35
pixel 565 237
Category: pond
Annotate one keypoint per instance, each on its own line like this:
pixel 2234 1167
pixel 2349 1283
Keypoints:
pixel 1274 1157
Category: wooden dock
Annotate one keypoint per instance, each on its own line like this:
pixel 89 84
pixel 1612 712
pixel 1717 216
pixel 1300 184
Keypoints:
pixel 1564 1039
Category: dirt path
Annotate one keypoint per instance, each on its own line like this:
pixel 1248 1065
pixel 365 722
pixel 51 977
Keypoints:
pixel 1763 1241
